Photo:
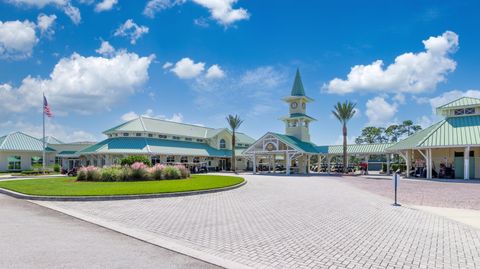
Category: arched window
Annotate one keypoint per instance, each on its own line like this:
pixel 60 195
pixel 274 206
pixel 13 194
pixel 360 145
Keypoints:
pixel 170 159
pixel 222 143
pixel 184 159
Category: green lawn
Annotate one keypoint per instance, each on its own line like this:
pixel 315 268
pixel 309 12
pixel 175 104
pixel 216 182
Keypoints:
pixel 67 186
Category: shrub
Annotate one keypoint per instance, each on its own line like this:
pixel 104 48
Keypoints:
pixel 171 172
pixel 111 174
pixel 82 174
pixel 156 172
pixel 56 168
pixel 184 172
pixel 138 171
pixel 134 159
pixel 93 173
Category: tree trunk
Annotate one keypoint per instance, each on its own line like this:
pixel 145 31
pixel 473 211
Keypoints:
pixel 345 168
pixel 233 151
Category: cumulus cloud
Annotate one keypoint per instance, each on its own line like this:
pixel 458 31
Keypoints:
pixel 17 39
pixel 380 112
pixel 131 30
pixel 450 96
pixel 186 68
pixel 105 5
pixel 221 11
pixel 167 65
pixel 45 23
pixel 176 117
pixel 83 84
pixel 410 73
pixel 106 49
pixel 155 6
pixel 215 71
pixel 263 76
pixel 65 5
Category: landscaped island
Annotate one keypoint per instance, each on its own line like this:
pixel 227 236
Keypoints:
pixel 69 186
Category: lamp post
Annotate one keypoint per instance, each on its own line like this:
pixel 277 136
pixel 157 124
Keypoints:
pixel 395 179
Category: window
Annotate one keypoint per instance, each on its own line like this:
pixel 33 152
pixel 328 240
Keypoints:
pixel 162 136
pixel 200 140
pixel 459 111
pixel 222 143
pixel 58 160
pixel 188 139
pixel 184 159
pixel 37 161
pixel 14 163
pixel 155 160
pixel 116 135
pixel 170 159
pixel 176 137
pixel 138 134
pixel 196 159
pixel 125 134
pixel 470 111
pixel 109 135
pixel 150 135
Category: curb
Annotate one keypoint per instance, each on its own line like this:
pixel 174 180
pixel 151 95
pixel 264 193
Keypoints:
pixel 114 197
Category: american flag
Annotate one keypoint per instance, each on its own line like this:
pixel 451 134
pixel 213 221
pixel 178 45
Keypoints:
pixel 46 108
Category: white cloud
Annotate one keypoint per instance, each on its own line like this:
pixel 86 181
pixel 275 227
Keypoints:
pixel 131 30
pixel 60 131
pixel 223 12
pixel 106 49
pixel 399 98
pixel 167 65
pixel 45 23
pixel 215 71
pixel 264 76
pixel 105 5
pixel 10 100
pixel 380 112
pixel 425 121
pixel 17 39
pixel 447 97
pixel 154 6
pixel 65 5
pixel 176 117
pixel 410 73
pixel 84 84
pixel 186 68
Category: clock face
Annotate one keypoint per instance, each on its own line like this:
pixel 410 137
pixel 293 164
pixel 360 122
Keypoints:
pixel 294 105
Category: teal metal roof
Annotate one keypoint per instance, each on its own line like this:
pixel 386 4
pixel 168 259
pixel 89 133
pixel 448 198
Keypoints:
pixel 146 124
pixel 450 132
pixel 297 143
pixel 139 145
pixel 19 141
pixel 52 140
pixel 355 148
pixel 67 152
pixel 301 115
pixel 297 88
pixel 462 102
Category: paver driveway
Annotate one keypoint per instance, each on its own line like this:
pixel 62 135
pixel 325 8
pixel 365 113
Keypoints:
pixel 304 222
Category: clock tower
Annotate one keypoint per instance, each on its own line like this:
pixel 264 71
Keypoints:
pixel 297 123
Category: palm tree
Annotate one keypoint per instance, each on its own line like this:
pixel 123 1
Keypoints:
pixel 234 122
pixel 344 112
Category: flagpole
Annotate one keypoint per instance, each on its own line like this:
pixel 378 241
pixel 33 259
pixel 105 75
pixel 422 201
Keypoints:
pixel 43 113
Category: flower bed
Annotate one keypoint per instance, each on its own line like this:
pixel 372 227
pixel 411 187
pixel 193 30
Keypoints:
pixel 137 171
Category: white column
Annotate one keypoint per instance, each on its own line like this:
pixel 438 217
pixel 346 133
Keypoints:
pixel 329 169
pixel 287 163
pixel 308 164
pixel 388 163
pixel 409 162
pixel 274 168
pixel 254 163
pixel 466 166
pixel 319 163
pixel 429 171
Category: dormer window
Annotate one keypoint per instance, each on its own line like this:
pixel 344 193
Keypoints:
pixel 162 136
pixel 222 143
pixel 458 112
pixel 138 134
pixel 125 134
pixel 470 111
pixel 150 135
pixel 176 137
pixel 200 140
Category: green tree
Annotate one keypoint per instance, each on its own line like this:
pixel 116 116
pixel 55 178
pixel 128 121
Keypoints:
pixel 344 112
pixel 393 133
pixel 408 128
pixel 370 135
pixel 234 122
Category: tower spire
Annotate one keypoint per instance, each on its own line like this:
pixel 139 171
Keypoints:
pixel 297 88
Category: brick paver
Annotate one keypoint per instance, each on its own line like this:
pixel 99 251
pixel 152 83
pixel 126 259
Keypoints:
pixel 299 222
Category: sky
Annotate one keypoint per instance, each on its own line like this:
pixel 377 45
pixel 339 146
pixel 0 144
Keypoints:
pixel 102 62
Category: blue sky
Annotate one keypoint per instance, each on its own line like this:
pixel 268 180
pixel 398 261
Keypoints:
pixel 196 61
